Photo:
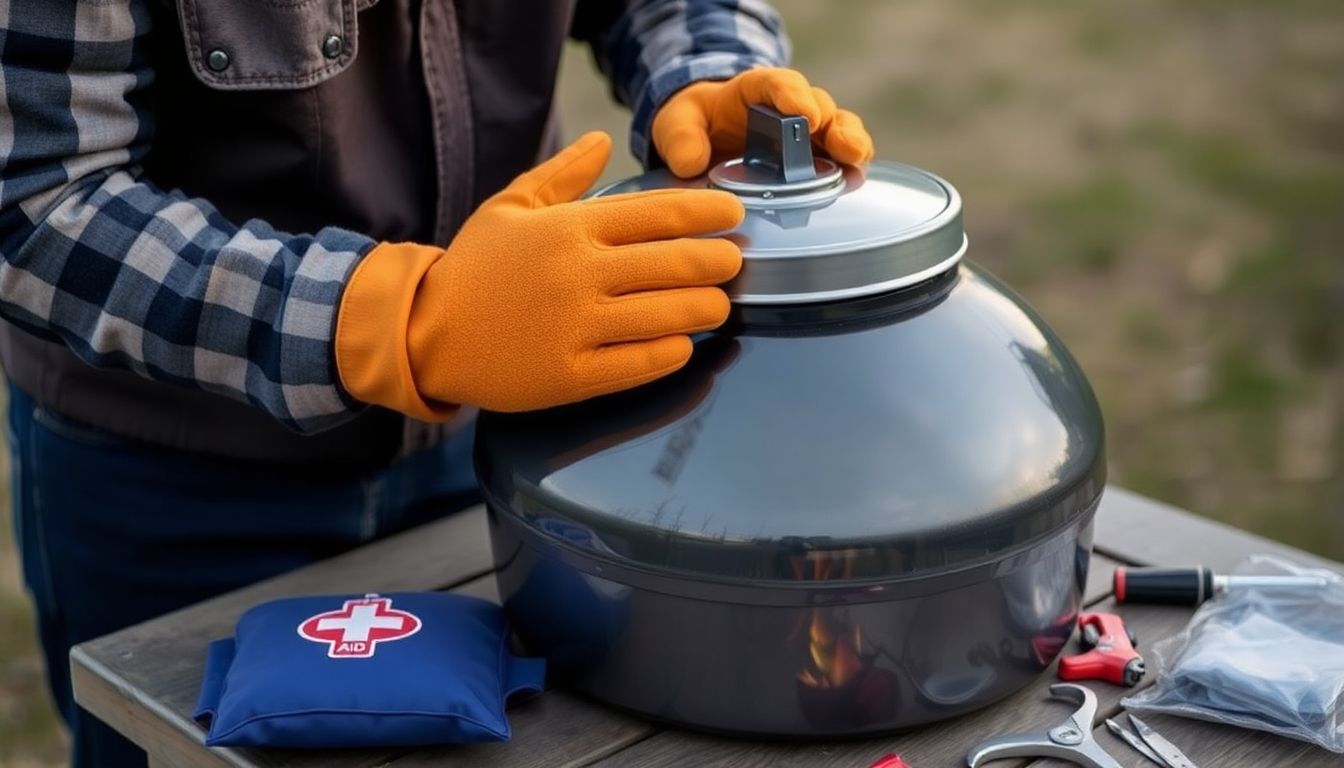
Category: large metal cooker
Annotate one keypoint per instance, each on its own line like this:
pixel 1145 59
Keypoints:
pixel 865 504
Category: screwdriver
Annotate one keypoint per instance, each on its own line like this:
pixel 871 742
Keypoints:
pixel 1192 586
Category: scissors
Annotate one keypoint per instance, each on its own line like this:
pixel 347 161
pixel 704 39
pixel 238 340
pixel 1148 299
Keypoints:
pixel 1150 744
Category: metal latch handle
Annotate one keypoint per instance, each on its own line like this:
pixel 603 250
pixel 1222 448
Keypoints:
pixel 779 144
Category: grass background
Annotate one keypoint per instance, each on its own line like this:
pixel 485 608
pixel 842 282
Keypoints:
pixel 1163 180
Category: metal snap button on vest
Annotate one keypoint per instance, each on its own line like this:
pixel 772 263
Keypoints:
pixel 217 60
pixel 332 46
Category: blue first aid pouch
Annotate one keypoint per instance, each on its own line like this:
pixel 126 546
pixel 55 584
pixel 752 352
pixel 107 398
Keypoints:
pixel 375 670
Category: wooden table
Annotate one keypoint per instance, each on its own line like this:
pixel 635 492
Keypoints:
pixel 143 680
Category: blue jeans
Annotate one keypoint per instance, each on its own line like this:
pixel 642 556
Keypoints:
pixel 112 532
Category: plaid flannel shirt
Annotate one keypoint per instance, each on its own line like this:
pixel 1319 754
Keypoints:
pixel 132 276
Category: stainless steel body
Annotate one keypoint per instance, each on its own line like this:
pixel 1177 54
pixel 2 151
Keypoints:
pixel 848 514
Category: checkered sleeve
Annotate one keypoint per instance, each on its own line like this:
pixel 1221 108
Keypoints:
pixel 653 48
pixel 131 276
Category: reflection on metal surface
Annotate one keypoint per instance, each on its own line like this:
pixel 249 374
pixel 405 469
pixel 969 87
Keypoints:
pixel 834 650
pixel 841 687
pixel 683 397
pixel 787 218
pixel 678 446
pixel 839 682
pixel 576 617
pixel 833 645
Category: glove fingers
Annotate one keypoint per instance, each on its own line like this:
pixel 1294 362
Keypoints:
pixel 681 263
pixel 564 177
pixel 620 366
pixel 841 135
pixel 655 314
pixel 825 103
pixel 846 140
pixel 643 217
pixel 681 136
pixel 785 90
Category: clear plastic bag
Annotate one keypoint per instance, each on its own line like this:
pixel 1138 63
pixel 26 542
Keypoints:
pixel 1272 660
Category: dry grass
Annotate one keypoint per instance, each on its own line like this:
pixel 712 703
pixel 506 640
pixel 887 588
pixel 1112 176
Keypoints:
pixel 1165 181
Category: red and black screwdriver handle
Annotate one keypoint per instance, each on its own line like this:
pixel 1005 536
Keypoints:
pixel 1111 655
pixel 1169 586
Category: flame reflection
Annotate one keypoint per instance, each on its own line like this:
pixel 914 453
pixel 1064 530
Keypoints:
pixel 835 652
pixel 834 645
pixel 839 684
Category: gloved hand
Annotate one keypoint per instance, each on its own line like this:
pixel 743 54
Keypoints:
pixel 539 300
pixel 706 122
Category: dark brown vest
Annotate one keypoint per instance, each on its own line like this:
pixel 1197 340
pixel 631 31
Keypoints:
pixel 389 117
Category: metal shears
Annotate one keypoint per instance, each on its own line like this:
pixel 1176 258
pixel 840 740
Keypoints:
pixel 1072 739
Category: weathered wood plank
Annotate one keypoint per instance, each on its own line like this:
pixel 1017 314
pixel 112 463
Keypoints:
pixel 1135 529
pixel 143 680
pixel 557 730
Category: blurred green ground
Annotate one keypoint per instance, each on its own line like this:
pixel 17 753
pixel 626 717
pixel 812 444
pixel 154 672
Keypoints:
pixel 1164 181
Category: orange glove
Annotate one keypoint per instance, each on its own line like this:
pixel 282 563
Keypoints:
pixel 539 300
pixel 706 122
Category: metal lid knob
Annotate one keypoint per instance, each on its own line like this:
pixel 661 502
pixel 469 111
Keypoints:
pixel 778 162
pixel 815 230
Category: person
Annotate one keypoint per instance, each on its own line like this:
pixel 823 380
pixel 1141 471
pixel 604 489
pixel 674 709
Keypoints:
pixel 260 261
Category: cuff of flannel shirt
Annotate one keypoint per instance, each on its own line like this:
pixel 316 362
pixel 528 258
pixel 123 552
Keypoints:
pixel 361 250
pixel 372 361
pixel 671 78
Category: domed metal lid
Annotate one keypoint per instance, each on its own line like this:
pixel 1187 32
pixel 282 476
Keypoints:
pixel 817 231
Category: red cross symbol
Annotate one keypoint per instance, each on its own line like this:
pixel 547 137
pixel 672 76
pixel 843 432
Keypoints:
pixel 355 631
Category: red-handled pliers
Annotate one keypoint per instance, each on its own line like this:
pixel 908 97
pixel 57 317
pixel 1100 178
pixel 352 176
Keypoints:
pixel 1111 655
